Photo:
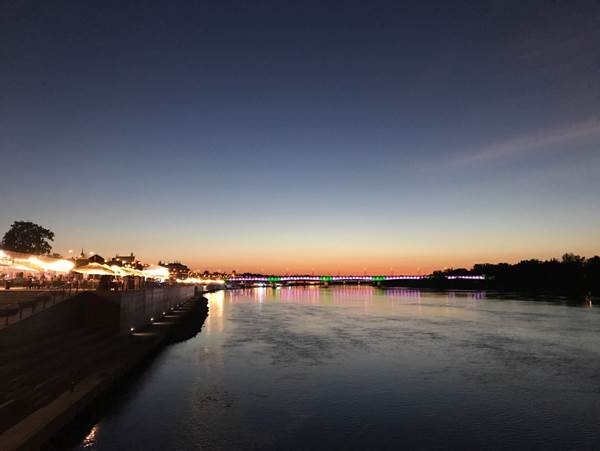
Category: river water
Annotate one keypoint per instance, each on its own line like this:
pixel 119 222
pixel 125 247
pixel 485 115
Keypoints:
pixel 356 367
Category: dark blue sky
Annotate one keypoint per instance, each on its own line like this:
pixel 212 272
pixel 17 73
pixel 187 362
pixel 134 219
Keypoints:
pixel 344 136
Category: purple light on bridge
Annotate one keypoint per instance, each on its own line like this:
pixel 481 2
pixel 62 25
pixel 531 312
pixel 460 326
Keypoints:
pixel 343 278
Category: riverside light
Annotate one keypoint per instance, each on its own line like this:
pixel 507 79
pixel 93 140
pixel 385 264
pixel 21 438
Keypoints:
pixel 156 273
pixel 193 280
pixel 5 256
pixel 57 265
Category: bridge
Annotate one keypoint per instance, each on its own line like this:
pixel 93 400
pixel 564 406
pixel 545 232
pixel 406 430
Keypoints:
pixel 336 279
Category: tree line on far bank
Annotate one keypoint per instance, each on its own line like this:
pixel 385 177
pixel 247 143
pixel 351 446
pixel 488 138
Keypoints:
pixel 571 274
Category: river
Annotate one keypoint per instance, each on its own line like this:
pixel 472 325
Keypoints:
pixel 356 367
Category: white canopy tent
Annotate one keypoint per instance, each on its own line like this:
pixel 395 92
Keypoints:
pixel 96 269
pixel 16 261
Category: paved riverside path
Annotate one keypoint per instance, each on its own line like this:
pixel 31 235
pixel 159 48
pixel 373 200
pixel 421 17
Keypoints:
pixel 46 382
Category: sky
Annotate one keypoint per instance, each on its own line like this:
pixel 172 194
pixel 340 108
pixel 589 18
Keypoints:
pixel 295 137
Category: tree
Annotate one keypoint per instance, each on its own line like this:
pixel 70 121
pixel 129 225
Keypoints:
pixel 573 259
pixel 24 236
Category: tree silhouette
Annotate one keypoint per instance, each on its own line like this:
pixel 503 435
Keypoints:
pixel 572 259
pixel 24 236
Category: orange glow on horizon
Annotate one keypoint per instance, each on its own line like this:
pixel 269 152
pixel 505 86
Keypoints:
pixel 354 258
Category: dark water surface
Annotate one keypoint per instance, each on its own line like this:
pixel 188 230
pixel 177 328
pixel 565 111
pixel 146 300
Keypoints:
pixel 364 368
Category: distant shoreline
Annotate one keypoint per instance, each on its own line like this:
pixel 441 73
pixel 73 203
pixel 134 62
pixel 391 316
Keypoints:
pixel 490 285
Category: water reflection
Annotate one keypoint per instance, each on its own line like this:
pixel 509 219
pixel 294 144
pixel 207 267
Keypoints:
pixel 89 442
pixel 336 294
pixel 214 322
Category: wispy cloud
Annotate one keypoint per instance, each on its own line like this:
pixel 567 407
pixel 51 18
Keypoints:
pixel 535 142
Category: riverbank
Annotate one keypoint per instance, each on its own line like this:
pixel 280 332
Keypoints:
pixel 80 368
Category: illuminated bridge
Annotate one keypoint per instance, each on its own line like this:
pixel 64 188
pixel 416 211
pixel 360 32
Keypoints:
pixel 336 279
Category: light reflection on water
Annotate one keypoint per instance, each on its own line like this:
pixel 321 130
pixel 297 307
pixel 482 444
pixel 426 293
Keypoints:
pixel 357 367
pixel 89 442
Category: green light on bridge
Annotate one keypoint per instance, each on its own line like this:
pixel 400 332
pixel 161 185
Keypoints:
pixel 274 279
pixel 326 278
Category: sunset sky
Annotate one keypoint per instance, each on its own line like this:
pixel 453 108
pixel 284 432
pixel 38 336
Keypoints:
pixel 291 137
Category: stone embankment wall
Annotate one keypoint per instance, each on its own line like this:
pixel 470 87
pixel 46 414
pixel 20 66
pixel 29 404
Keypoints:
pixel 139 306
pixel 116 311
pixel 53 320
